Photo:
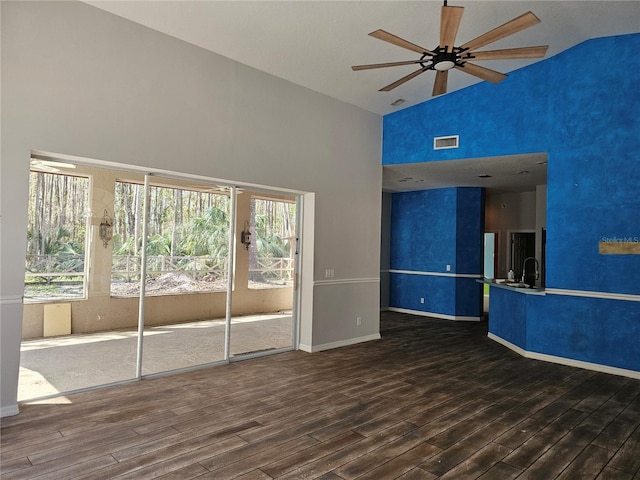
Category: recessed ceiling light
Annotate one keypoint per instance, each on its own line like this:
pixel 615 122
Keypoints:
pixel 523 172
pixel 397 102
pixel 485 175
pixel 542 162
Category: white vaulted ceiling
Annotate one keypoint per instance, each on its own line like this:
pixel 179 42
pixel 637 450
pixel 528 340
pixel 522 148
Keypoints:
pixel 314 43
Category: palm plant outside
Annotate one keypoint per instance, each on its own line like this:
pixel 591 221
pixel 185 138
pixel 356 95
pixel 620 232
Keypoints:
pixel 187 229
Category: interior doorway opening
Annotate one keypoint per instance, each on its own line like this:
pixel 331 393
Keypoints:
pixel 490 255
pixel 523 247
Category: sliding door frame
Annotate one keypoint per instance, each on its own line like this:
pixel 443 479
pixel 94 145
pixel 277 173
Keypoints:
pixel 148 173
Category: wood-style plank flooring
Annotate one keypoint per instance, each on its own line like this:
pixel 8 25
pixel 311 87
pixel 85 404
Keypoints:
pixel 432 399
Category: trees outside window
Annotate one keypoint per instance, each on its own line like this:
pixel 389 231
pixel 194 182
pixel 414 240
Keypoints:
pixel 187 241
pixel 271 252
pixel 56 236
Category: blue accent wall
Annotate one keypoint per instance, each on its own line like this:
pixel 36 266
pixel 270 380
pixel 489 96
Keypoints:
pixel 585 117
pixel 511 309
pixel 596 330
pixel 430 230
pixel 594 169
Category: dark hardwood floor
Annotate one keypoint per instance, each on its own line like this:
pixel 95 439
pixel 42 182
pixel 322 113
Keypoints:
pixel 432 399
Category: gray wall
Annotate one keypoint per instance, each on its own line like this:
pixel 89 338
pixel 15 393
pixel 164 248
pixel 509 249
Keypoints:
pixel 80 81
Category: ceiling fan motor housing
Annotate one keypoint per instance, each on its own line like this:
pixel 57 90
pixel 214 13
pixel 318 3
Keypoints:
pixel 443 59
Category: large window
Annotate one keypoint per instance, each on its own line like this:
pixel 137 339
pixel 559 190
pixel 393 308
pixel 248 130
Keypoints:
pixel 56 236
pixel 187 240
pixel 272 251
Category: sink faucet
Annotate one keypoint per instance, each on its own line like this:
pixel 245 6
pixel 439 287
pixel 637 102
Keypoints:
pixel 524 265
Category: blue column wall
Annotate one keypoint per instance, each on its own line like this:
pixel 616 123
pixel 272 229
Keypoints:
pixel 433 229
pixel 470 231
pixel 585 116
pixel 423 226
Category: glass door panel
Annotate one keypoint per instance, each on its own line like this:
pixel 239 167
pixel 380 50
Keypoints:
pixel 262 318
pixel 186 275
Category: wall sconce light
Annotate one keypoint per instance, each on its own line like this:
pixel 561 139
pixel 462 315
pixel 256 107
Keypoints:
pixel 106 229
pixel 245 235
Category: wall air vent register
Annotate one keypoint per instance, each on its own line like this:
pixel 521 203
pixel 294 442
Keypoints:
pixel 450 141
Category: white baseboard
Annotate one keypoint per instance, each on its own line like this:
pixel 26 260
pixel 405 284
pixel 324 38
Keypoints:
pixel 435 315
pixel 566 361
pixel 508 344
pixel 9 411
pixel 341 343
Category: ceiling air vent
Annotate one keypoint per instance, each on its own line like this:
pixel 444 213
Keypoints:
pixel 450 141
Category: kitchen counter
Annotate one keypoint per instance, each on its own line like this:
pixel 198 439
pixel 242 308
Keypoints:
pixel 512 309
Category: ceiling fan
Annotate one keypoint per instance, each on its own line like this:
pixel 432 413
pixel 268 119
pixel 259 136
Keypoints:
pixel 447 56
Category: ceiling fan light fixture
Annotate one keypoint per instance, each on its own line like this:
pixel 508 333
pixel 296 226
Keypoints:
pixel 444 65
pixel 444 60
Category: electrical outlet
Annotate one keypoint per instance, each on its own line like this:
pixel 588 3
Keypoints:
pixel 448 268
pixel 329 273
pixel 358 320
pixel 422 300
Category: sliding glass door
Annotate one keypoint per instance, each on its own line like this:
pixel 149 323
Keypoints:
pixel 265 273
pixel 178 274
pixel 187 275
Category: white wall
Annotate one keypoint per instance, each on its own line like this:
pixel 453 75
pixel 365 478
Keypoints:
pixel 509 212
pixel 80 81
pixel 385 250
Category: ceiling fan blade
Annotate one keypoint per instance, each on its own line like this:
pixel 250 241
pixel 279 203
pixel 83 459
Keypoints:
pixel 481 72
pixel 449 23
pixel 400 42
pixel 404 79
pixel 525 20
pixel 355 68
pixel 440 84
pixel 509 53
